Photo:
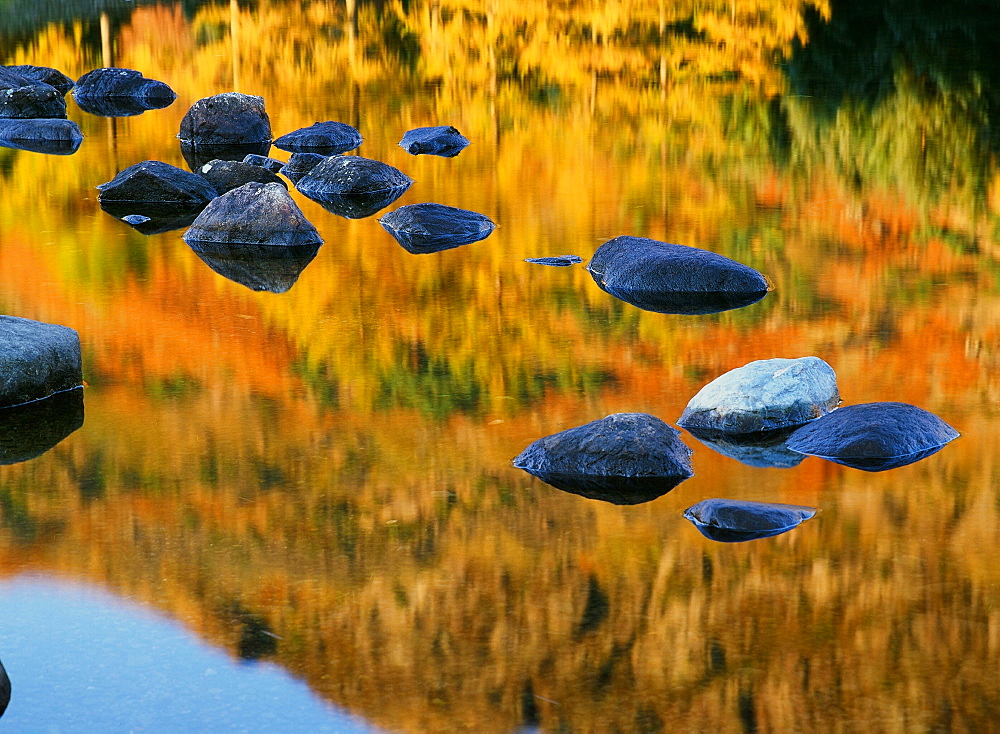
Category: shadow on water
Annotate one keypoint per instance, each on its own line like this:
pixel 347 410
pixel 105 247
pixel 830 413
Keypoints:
pixel 28 431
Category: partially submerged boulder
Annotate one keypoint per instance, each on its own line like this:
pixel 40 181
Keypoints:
pixel 36 360
pixel 764 395
pixel 155 181
pixel 45 75
pixel 326 138
pixel 299 165
pixel 667 278
pixel 28 431
pixel 347 175
pixel 231 118
pixel 555 261
pixel 228 175
pixel 54 137
pixel 874 436
pixel 258 267
pixel 441 140
pixel 425 228
pixel 271 164
pixel 629 456
pixel 734 521
pixel 32 101
pixel 117 92
pixel 253 214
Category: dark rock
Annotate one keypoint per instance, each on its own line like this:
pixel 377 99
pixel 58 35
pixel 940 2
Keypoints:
pixel 226 119
pixel 300 164
pixel 253 214
pixel 258 267
pixel 442 140
pixel 666 278
pixel 734 521
pixel 347 175
pixel 116 92
pixel 271 164
pixel 36 360
pixel 326 138
pixel 13 77
pixel 197 156
pixel 33 101
pixel 45 75
pixel 28 431
pixel 631 456
pixel 557 261
pixel 764 395
pixel 155 181
pixel 153 217
pixel 228 175
pixel 54 137
pixel 874 436
pixel 763 449
pixel 4 690
pixel 425 228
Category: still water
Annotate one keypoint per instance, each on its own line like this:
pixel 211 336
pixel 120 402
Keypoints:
pixel 311 493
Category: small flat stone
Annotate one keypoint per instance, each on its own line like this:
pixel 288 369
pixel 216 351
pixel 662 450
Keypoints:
pixel 440 140
pixel 53 137
pixel 555 261
pixel 733 521
pixel 426 228
pixel 327 138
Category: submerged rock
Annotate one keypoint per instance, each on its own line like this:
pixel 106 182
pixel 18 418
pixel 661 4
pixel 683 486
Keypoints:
pixel 228 175
pixel 425 228
pixel 442 140
pixel 54 137
pixel 153 217
pixel 734 521
pixel 36 360
pixel 253 214
pixel 155 181
pixel 258 267
pixel 764 449
pixel 556 261
pixel 32 101
pixel 231 118
pixel 666 278
pixel 326 138
pixel 271 164
pixel 28 431
pixel 45 75
pixel 874 436
pixel 299 165
pixel 622 455
pixel 117 92
pixel 764 395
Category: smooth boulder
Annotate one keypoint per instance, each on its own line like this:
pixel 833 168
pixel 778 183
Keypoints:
pixel 349 175
pixel 326 138
pixel 764 395
pixel 155 181
pixel 735 521
pixel 253 214
pixel 440 140
pixel 28 431
pixel 118 92
pixel 231 118
pixel 667 278
pixel 36 360
pixel 426 228
pixel 50 136
pixel 44 74
pixel 874 436
pixel 228 175
pixel 610 455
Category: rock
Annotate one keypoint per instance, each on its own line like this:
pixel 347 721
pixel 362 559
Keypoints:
pixel 442 140
pixel 197 156
pixel 45 75
pixel 271 164
pixel 28 431
pixel 425 228
pixel 228 175
pixel 557 261
pixel 155 181
pixel 666 278
pixel 4 690
pixel 326 138
pixel 734 521
pixel 253 214
pixel 299 165
pixel 258 267
pixel 36 360
pixel 32 101
pixel 54 137
pixel 623 455
pixel 874 436
pixel 764 395
pixel 116 92
pixel 226 119
pixel 347 175
pixel 764 449
pixel 153 217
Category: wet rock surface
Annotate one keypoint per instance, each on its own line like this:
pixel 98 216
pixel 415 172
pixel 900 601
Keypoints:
pixel 28 431
pixel 615 455
pixel 325 138
pixel 426 228
pixel 254 214
pixel 874 436
pixel 44 74
pixel 32 101
pixel 734 521
pixel 53 137
pixel 231 118
pixel 347 175
pixel 299 165
pixel 667 278
pixel 36 360
pixel 155 181
pixel 441 140
pixel 118 92
pixel 271 164
pixel 258 267
pixel 555 261
pixel 764 395
pixel 228 175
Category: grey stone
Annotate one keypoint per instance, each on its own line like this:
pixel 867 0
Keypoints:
pixel 117 92
pixel 51 136
pixel 346 175
pixel 36 360
pixel 271 164
pixel 327 138
pixel 231 118
pixel 228 175
pixel 155 181
pixel 32 101
pixel 253 214
pixel 441 140
pixel 425 228
pixel 764 395
pixel 732 521
pixel 555 261
pixel 300 164
pixel 874 436
pixel 45 75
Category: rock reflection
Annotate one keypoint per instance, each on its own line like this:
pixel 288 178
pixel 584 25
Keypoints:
pixel 116 92
pixel 197 155
pixel 356 206
pixel 28 431
pixel 54 137
pixel 273 268
pixel 617 490
pixel 4 690
pixel 153 217
pixel 736 521
pixel 763 449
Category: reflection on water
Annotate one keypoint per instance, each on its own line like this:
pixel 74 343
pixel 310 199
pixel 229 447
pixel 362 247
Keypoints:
pixel 320 479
